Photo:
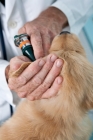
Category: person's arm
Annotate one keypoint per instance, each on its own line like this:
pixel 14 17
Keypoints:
pixel 56 14
pixel 77 12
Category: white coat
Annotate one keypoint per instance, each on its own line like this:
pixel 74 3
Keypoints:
pixel 16 14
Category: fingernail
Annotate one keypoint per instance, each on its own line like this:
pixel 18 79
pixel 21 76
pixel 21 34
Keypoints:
pixel 59 63
pixel 59 80
pixel 53 58
pixel 41 62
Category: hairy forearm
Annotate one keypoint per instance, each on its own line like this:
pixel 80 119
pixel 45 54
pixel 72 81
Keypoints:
pixel 55 13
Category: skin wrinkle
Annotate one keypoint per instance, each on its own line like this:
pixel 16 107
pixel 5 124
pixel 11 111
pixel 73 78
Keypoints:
pixel 44 24
pixel 31 82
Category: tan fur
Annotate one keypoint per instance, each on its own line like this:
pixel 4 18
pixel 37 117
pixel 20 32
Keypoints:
pixel 65 116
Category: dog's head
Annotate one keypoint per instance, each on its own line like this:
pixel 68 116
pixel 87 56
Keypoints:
pixel 77 72
pixel 67 42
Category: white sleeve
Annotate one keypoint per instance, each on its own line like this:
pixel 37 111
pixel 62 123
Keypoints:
pixel 5 92
pixel 76 11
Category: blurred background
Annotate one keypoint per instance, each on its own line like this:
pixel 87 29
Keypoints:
pixel 86 38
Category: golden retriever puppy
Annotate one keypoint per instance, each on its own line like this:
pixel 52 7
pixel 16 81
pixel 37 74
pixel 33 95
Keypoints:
pixel 65 116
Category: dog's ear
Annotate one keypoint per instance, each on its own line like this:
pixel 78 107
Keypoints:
pixel 77 73
pixel 80 75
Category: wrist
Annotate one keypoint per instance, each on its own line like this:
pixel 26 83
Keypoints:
pixel 56 14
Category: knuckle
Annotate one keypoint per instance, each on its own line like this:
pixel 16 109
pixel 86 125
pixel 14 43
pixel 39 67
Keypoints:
pixel 13 59
pixel 39 41
pixel 15 63
pixel 35 28
pixel 37 97
pixel 22 94
pixel 39 52
pixel 37 81
pixel 22 80
pixel 21 30
pixel 26 28
pixel 46 85
pixel 11 86
pixel 38 37
pixel 27 24
pixel 31 98
pixel 11 83
pixel 48 66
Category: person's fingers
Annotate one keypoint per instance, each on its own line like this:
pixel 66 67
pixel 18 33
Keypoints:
pixel 53 91
pixel 22 30
pixel 54 72
pixel 27 28
pixel 39 77
pixel 31 70
pixel 46 43
pixel 40 38
pixel 26 75
pixel 17 61
pixel 36 41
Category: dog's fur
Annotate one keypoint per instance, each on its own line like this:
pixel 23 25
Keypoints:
pixel 65 116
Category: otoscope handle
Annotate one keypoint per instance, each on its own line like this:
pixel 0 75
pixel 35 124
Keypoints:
pixel 22 41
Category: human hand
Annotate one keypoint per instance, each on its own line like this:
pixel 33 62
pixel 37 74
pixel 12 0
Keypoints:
pixel 43 29
pixel 41 79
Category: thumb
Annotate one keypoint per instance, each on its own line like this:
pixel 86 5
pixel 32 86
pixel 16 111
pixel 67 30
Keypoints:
pixel 22 30
pixel 16 62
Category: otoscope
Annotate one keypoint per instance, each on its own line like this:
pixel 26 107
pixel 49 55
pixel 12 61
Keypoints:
pixel 23 42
